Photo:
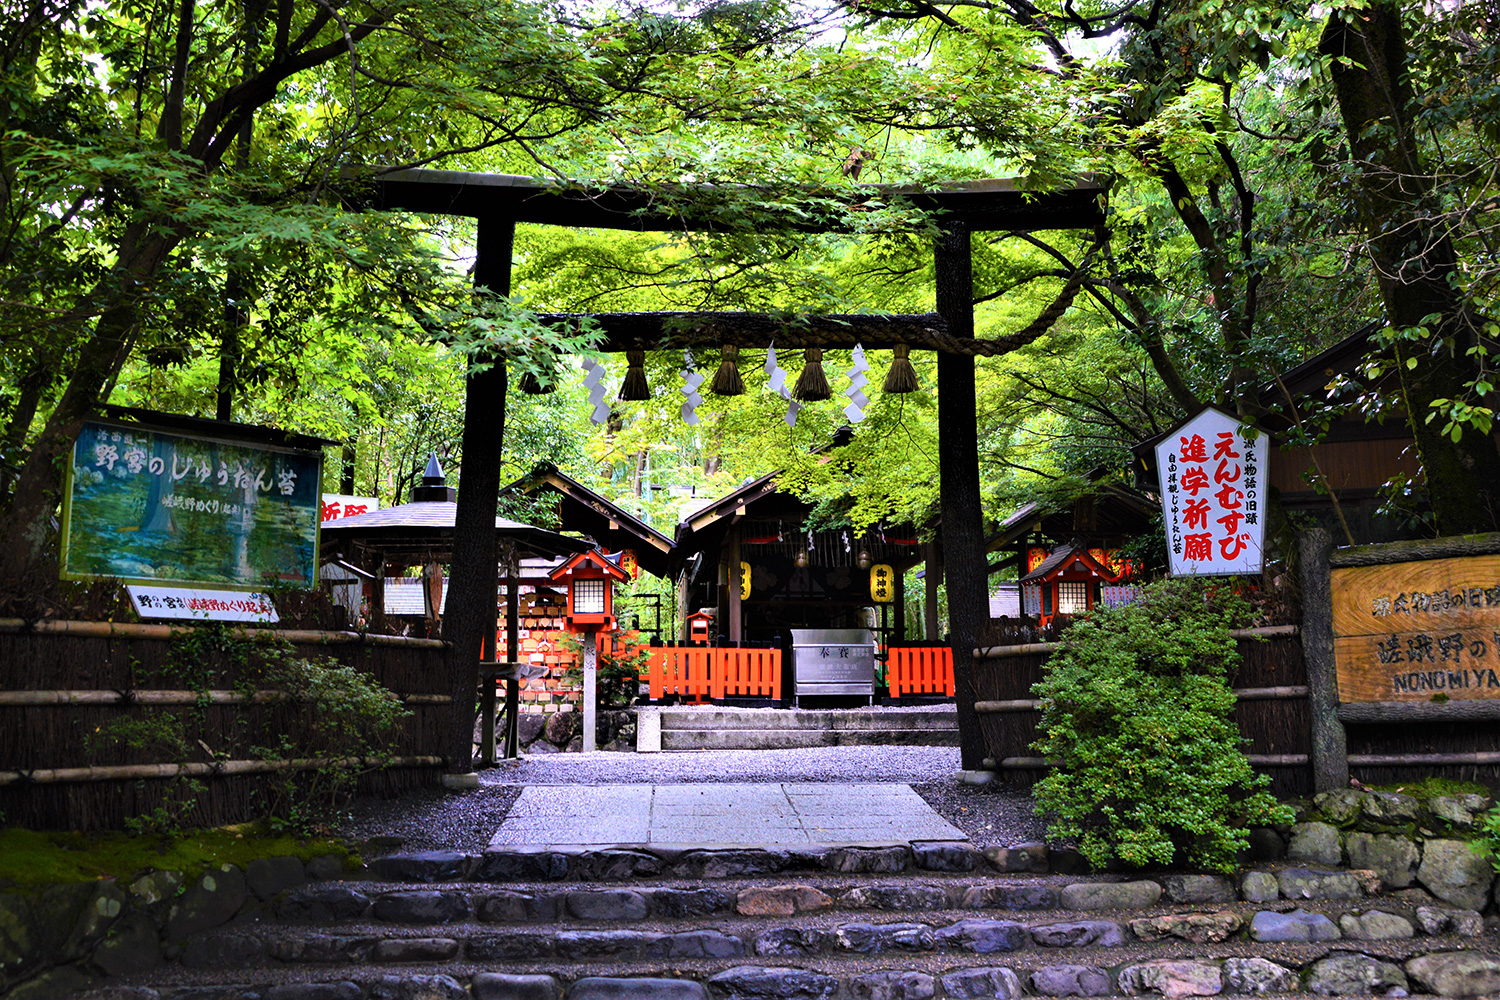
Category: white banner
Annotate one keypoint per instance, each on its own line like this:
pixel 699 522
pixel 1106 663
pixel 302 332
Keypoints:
pixel 337 505
pixel 1213 495
pixel 202 605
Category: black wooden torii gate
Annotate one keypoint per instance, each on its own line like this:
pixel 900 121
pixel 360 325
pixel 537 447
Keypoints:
pixel 499 201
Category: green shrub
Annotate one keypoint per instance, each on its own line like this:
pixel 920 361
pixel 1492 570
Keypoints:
pixel 1135 716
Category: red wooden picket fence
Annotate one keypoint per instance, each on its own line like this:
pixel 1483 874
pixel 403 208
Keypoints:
pixel 697 672
pixel 919 670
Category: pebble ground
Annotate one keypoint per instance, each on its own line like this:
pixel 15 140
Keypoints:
pixel 465 821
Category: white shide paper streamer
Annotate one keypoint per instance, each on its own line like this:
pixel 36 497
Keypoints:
pixel 855 411
pixel 777 382
pixel 594 382
pixel 691 380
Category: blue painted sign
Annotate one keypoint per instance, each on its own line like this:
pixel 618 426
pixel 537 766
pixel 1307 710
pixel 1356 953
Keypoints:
pixel 152 506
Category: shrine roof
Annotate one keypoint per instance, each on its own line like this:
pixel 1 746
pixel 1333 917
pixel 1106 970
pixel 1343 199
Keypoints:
pixel 1059 561
pixel 583 510
pixel 427 526
pixel 1118 509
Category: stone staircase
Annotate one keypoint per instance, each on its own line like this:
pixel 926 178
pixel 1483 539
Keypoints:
pixel 690 728
pixel 929 920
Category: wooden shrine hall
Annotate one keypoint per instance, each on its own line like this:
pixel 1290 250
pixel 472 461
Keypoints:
pixel 960 209
pixel 751 559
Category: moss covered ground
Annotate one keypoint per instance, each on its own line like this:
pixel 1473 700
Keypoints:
pixel 31 858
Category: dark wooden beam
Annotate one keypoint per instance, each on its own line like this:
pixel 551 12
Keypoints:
pixel 958 465
pixel 474 582
pixel 649 331
pixel 995 204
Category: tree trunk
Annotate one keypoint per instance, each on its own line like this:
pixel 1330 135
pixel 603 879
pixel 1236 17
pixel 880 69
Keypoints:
pixel 1415 263
pixel 27 529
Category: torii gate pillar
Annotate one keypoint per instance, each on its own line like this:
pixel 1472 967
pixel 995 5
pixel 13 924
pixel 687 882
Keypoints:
pixel 958 469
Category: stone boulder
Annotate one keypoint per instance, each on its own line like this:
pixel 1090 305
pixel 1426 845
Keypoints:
pixel 1315 843
pixel 561 728
pixel 1347 974
pixel 1172 978
pixel 1258 975
pixel 1456 873
pixel 1456 974
pixel 1376 925
pixel 1394 858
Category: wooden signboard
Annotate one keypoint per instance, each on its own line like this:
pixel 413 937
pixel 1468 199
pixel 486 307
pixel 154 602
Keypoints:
pixel 1418 631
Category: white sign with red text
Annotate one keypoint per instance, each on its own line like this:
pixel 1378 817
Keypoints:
pixel 202 605
pixel 1213 495
pixel 337 505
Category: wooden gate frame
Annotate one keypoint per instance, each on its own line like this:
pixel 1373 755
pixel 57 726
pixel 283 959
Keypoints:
pixel 499 201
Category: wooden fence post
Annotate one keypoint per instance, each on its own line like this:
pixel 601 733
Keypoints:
pixel 1330 751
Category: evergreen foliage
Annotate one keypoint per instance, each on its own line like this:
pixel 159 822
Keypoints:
pixel 1136 714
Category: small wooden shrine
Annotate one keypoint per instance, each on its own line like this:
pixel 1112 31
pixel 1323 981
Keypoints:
pixel 1067 561
pixel 750 570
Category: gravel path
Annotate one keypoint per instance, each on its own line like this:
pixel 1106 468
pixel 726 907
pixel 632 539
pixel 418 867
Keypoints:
pixel 433 820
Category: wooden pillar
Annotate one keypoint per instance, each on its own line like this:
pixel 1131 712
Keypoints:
pixel 475 578
pixel 513 654
pixel 377 597
pixel 899 631
pixel 964 557
pixel 736 620
pixel 1330 750
pixel 931 619
pixel 684 606
pixel 487 704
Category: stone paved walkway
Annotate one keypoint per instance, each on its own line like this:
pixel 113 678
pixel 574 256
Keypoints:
pixel 721 815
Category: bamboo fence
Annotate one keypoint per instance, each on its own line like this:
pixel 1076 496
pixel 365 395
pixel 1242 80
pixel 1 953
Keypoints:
pixel 61 681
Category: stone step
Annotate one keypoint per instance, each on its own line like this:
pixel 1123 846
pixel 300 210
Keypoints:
pixel 852 937
pixel 698 719
pixel 796 739
pixel 419 971
pixel 952 899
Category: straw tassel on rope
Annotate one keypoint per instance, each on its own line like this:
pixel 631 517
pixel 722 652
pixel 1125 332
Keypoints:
pixel 727 381
pixel 901 377
pixel 812 384
pixel 634 389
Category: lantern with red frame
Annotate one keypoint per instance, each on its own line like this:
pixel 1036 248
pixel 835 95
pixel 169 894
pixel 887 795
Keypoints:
pixel 700 627
pixel 590 578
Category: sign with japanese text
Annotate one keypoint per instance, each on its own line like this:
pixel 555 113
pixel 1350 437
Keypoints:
pixel 337 505
pixel 202 605
pixel 151 506
pixel 1213 493
pixel 882 583
pixel 1418 631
